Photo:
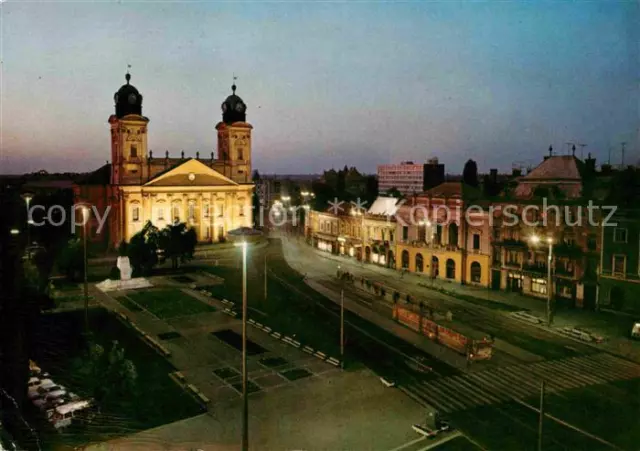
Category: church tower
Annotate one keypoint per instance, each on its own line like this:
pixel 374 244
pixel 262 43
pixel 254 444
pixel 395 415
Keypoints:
pixel 128 137
pixel 234 140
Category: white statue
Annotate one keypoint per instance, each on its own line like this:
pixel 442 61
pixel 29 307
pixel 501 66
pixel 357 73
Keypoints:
pixel 125 268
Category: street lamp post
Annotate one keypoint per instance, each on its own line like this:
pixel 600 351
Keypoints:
pixel 85 219
pixel 243 237
pixel 535 240
pixel 342 328
pixel 245 400
pixel 27 198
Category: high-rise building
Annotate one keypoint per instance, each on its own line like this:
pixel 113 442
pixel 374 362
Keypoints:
pixel 409 177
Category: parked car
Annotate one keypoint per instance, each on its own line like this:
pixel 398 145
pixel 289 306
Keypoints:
pixel 52 399
pixel 40 389
pixel 33 382
pixel 63 415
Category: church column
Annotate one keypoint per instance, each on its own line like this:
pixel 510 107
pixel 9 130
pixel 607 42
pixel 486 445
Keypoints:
pixel 233 211
pixel 248 214
pixel 200 218
pixel 185 208
pixel 214 216
pixel 144 205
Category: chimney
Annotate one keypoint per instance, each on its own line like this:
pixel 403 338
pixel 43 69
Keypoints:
pixel 211 156
pixel 150 154
pixel 197 155
pixel 550 153
pixel 166 154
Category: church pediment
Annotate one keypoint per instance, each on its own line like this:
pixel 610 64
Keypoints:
pixel 191 173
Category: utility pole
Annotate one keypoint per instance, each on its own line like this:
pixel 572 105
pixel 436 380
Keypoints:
pixel 582 146
pixel 623 144
pixel 265 277
pixel 541 416
pixel 549 282
pixel 342 328
pixel 569 144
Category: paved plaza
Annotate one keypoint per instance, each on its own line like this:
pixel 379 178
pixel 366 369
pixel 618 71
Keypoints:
pixel 297 401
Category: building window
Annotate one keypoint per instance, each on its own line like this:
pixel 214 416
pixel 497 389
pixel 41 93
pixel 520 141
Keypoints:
pixel 160 214
pixel 192 212
pixel 539 286
pixel 453 234
pixel 405 233
pixel 476 241
pixel 619 235
pixel 176 213
pixel 134 151
pixel 476 272
pixel 422 233
pixel 220 211
pixel 240 153
pixel 451 269
pixel 206 211
pixel 592 242
pixel 241 213
pixel 619 265
pixel 136 214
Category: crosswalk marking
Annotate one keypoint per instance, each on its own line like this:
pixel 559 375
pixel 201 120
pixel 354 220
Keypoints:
pixel 497 385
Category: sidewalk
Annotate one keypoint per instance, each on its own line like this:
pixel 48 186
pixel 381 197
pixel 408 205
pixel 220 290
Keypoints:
pixel 615 329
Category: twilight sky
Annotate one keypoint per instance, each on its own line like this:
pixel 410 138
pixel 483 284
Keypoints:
pixel 326 83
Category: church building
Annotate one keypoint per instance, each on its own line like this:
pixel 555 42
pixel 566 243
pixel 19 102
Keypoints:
pixel 213 195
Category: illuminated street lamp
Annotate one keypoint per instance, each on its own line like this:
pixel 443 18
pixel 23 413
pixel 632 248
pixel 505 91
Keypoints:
pixel 535 239
pixel 242 237
pixel 27 198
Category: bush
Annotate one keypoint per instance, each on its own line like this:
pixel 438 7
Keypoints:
pixel 396 296
pixel 114 273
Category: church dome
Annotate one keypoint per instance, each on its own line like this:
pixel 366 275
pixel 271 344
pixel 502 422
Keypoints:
pixel 128 100
pixel 233 108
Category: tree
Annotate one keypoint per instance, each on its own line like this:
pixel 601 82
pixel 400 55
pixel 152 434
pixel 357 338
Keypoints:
pixel 470 173
pixel 256 199
pixel 71 259
pixel 394 192
pixel 178 243
pixel 106 376
pixel 142 250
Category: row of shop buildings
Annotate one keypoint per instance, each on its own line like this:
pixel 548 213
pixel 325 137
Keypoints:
pixel 456 233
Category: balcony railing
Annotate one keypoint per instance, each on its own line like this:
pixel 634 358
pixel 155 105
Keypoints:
pixel 512 264
pixel 509 242
pixel 535 267
pixel 561 271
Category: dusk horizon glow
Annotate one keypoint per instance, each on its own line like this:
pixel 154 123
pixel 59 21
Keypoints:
pixel 326 84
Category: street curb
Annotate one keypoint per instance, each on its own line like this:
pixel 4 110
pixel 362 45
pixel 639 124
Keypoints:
pixel 283 338
pixel 164 352
pixel 191 389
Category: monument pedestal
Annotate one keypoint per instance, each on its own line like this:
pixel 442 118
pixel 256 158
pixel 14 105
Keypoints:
pixel 125 282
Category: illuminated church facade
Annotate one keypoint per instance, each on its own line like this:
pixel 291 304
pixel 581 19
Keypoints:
pixel 213 195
